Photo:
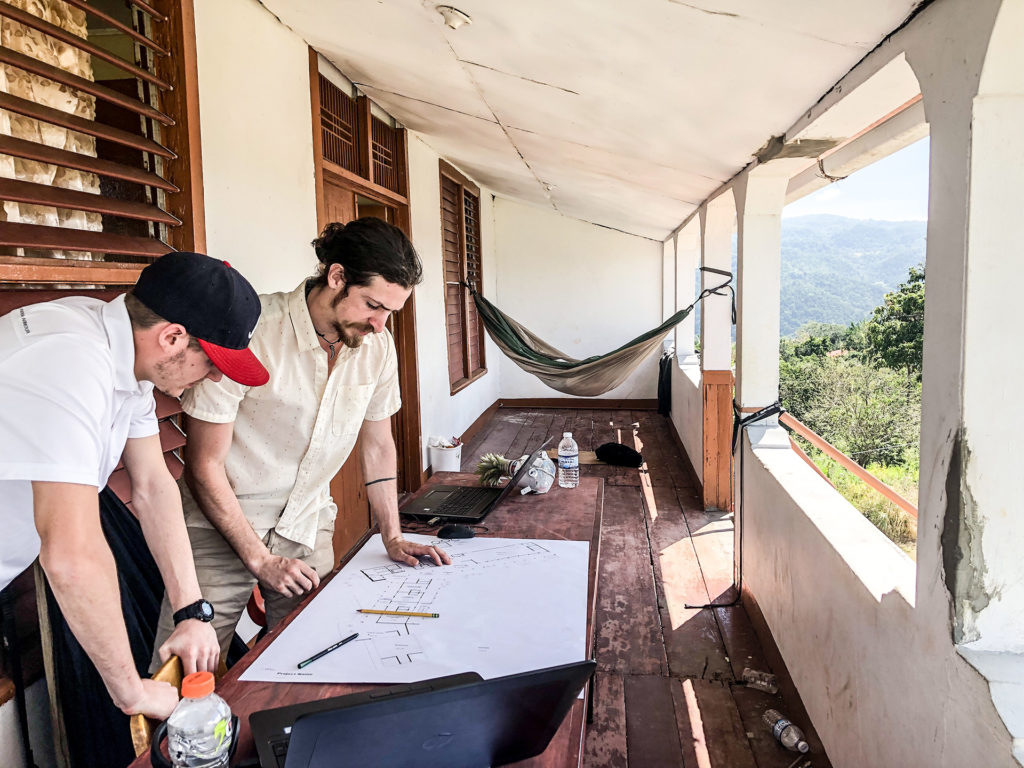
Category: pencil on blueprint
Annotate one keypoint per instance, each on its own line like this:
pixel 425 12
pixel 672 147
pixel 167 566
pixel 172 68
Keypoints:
pixel 400 613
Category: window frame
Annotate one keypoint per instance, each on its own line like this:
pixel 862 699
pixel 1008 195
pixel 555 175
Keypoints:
pixel 469 328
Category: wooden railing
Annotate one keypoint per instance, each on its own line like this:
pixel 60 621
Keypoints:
pixel 795 425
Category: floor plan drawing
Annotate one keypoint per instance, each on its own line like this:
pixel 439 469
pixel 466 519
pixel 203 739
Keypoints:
pixel 503 605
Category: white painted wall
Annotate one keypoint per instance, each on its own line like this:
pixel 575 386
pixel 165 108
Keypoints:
pixel 582 288
pixel 880 678
pixel 442 413
pixel 40 732
pixel 870 638
pixel 687 412
pixel 257 143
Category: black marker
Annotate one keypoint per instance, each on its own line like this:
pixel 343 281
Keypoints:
pixel 325 651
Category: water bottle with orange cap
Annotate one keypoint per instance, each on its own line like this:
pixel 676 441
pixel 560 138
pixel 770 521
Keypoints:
pixel 200 731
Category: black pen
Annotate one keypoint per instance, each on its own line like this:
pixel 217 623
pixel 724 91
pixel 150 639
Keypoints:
pixel 325 651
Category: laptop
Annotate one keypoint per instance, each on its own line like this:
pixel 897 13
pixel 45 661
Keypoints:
pixel 272 728
pixel 446 723
pixel 465 504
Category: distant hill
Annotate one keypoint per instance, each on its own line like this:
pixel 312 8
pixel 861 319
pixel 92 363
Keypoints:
pixel 836 270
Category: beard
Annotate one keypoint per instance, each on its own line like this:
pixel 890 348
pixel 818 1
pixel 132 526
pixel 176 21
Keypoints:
pixel 169 369
pixel 350 334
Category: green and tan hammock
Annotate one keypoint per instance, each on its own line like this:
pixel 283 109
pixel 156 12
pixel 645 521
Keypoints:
pixel 591 376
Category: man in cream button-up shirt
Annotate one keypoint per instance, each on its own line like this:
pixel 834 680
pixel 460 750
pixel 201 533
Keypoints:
pixel 260 460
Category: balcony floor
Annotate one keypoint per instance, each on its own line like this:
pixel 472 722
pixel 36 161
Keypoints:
pixel 665 689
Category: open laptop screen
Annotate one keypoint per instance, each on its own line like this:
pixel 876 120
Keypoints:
pixel 487 723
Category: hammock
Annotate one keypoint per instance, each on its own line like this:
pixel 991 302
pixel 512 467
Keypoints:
pixel 584 378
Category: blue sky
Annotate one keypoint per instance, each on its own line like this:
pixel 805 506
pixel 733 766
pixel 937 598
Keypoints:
pixel 893 189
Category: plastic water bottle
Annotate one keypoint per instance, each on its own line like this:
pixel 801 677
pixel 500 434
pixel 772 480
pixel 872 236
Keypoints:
pixel 787 734
pixel 199 729
pixel 568 462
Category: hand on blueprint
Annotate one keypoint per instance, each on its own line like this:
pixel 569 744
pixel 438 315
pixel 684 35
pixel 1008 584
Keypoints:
pixel 402 551
pixel 289 576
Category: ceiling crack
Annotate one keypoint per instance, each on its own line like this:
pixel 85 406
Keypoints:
pixel 705 10
pixel 479 92
pixel 421 101
pixel 520 77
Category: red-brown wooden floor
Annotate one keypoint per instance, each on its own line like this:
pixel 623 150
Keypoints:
pixel 666 691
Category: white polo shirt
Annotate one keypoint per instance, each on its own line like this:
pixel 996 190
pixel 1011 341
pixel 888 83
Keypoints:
pixel 292 435
pixel 70 401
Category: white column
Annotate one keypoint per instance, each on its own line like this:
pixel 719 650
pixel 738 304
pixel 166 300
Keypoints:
pixel 717 220
pixel 687 260
pixel 668 286
pixel 760 197
pixel 969 498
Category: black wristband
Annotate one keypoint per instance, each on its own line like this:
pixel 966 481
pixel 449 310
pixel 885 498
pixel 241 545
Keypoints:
pixel 200 609
pixel 381 480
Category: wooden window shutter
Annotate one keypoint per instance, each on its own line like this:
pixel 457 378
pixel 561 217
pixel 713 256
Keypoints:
pixel 96 177
pixel 451 232
pixel 338 126
pixel 474 277
pixel 463 259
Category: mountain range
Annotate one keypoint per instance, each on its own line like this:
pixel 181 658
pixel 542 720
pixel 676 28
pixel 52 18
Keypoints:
pixel 837 270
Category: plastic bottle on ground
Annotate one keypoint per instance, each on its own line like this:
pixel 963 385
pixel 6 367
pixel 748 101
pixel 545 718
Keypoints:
pixel 787 734
pixel 568 462
pixel 199 729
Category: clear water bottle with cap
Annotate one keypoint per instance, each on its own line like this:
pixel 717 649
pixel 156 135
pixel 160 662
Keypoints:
pixel 568 462
pixel 199 730
pixel 787 734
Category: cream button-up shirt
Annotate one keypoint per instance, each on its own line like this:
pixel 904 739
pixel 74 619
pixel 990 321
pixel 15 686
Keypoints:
pixel 292 435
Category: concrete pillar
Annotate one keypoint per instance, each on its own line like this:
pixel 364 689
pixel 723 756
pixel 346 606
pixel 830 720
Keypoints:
pixel 760 197
pixel 717 219
pixel 970 532
pixel 687 260
pixel 668 278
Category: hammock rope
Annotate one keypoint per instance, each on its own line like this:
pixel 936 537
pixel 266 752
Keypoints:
pixel 593 375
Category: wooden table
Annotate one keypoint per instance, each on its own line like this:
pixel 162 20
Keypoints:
pixel 569 515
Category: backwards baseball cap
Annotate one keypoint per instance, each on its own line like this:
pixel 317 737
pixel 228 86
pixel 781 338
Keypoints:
pixel 213 302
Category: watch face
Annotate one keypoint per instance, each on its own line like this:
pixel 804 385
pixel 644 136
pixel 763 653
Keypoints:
pixel 205 610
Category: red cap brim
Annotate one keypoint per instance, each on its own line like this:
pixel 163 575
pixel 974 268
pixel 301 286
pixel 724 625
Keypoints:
pixel 238 365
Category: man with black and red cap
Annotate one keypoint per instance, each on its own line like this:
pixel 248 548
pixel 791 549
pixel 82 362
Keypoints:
pixel 76 382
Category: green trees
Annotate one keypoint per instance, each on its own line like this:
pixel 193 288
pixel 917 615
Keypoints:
pixel 859 387
pixel 895 332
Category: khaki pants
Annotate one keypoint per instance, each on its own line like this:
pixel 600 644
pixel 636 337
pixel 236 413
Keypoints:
pixel 227 583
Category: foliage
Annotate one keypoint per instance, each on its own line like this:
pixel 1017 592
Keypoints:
pixel 870 414
pixel 859 385
pixel 896 524
pixel 895 333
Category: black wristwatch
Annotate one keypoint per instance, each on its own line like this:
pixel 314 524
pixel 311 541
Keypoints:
pixel 200 609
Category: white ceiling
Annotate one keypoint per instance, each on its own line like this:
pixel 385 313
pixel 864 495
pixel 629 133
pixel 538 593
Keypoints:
pixel 624 113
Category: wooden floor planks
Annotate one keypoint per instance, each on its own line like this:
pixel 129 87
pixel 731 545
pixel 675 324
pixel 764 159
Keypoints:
pixel 667 691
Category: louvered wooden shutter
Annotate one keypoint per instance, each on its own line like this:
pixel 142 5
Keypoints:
pixel 338 126
pixel 451 231
pixel 460 228
pixel 474 277
pixel 92 188
pixel 359 141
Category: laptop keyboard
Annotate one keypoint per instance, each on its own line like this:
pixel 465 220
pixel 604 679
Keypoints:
pixel 460 504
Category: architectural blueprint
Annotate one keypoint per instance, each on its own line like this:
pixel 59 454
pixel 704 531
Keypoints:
pixel 504 605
